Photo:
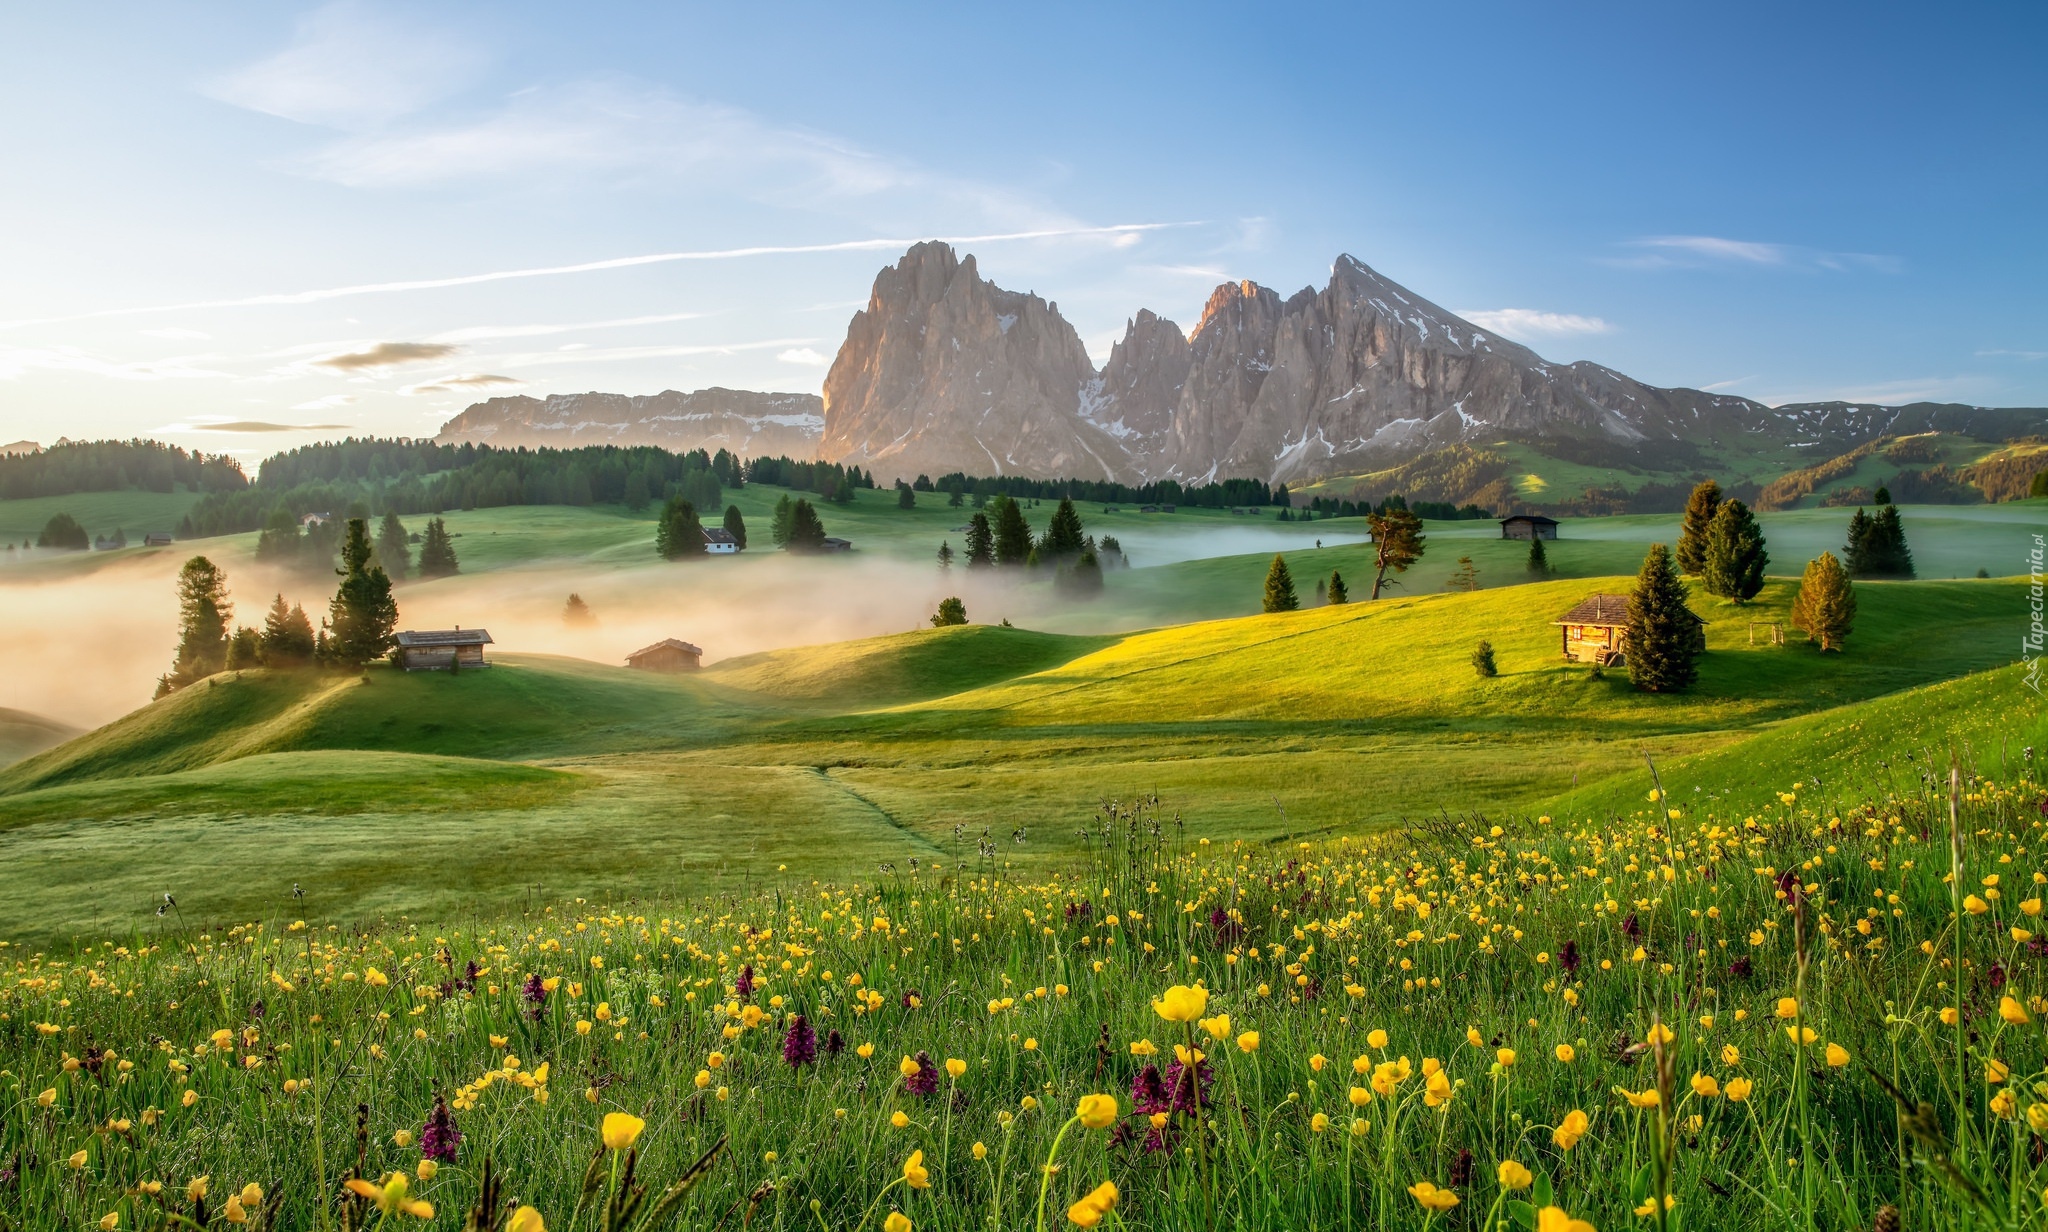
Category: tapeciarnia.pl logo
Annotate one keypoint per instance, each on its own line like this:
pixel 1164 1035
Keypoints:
pixel 2037 632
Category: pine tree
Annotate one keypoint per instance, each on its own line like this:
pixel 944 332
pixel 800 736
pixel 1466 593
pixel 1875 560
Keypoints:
pixel 577 613
pixel 203 615
pixel 63 531
pixel 1112 554
pixel 1539 557
pixel 437 551
pixel 1063 535
pixel 785 517
pixel 736 525
pixel 1692 532
pixel 363 615
pixel 946 556
pixel 679 535
pixel 981 542
pixel 951 612
pixel 1465 578
pixel 392 550
pixel 1889 555
pixel 806 531
pixel 1482 660
pixel 1082 579
pixel 2039 487
pixel 1338 594
pixel 245 650
pixel 1397 541
pixel 1663 634
pixel 636 495
pixel 1013 534
pixel 1826 607
pixel 1734 564
pixel 1322 592
pixel 906 498
pixel 287 636
pixel 1280 588
pixel 280 542
pixel 1856 552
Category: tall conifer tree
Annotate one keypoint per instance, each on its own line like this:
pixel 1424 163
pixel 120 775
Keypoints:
pixel 1825 610
pixel 362 616
pixel 1280 596
pixel 981 542
pixel 1692 531
pixel 1663 634
pixel 203 615
pixel 1734 564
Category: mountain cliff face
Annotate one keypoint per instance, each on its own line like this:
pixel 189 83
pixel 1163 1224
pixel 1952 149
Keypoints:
pixel 750 424
pixel 946 371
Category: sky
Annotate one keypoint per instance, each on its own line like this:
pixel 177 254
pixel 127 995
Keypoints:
pixel 241 226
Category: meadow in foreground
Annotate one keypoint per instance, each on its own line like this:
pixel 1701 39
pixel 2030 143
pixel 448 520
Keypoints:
pixel 1792 1019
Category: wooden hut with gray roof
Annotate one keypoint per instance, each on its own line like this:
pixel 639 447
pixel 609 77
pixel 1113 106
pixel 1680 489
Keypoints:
pixel 1596 630
pixel 441 650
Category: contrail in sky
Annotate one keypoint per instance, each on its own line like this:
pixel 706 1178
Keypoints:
pixel 658 258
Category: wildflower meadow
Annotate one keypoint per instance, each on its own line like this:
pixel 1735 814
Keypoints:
pixel 1827 1015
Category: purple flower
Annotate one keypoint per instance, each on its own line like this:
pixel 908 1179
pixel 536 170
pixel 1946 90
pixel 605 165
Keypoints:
pixel 536 994
pixel 1188 1086
pixel 835 1043
pixel 800 1046
pixel 1149 1093
pixel 1568 957
pixel 439 1137
pixel 743 987
pixel 926 1079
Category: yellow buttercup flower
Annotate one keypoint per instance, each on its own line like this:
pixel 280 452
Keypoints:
pixel 955 1066
pixel 1553 1219
pixel 915 1174
pixel 896 1222
pixel 526 1219
pixel 2013 1012
pixel 621 1130
pixel 1097 1111
pixel 1248 1042
pixel 1182 1003
pixel 1566 1054
pixel 1837 1056
pixel 1090 1209
pixel 1739 1089
pixel 1570 1130
pixel 908 1067
pixel 1431 1198
pixel 1649 1098
pixel 1788 1007
pixel 1706 1086
pixel 1514 1176
pixel 1217 1028
pixel 1376 1039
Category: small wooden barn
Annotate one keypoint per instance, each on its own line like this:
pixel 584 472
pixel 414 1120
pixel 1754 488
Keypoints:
pixel 440 650
pixel 719 541
pixel 1596 630
pixel 1528 526
pixel 667 655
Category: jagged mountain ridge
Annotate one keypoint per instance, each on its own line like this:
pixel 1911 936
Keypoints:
pixel 747 423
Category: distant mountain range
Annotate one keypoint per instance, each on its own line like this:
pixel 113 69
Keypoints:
pixel 945 371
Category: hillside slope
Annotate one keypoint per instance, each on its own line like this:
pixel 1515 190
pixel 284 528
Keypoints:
pixel 901 667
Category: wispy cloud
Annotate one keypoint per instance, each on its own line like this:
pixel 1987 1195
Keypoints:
pixel 2006 354
pixel 1532 323
pixel 596 355
pixel 480 333
pixel 610 263
pixel 1662 252
pixel 260 425
pixel 1886 393
pixel 387 355
pixel 17 361
pixel 352 66
pixel 178 335
pixel 463 384
pixel 327 403
pixel 1718 386
pixel 809 357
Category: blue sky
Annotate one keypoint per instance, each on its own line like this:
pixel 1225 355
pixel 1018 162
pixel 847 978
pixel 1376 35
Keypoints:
pixel 1789 202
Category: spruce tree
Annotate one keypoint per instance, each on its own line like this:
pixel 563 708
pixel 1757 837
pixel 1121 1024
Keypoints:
pixel 280 542
pixel 392 550
pixel 1280 588
pixel 1082 579
pixel 736 526
pixel 63 531
pixel 1856 552
pixel 951 612
pixel 437 551
pixel 806 530
pixel 1539 557
pixel 1063 535
pixel 679 535
pixel 1465 577
pixel 1013 534
pixel 287 636
pixel 1734 564
pixel 245 650
pixel 1322 592
pixel 1889 555
pixel 363 615
pixel 1482 660
pixel 1826 607
pixel 1663 634
pixel 785 517
pixel 1338 594
pixel 981 542
pixel 577 613
pixel 905 497
pixel 946 556
pixel 1692 532
pixel 203 615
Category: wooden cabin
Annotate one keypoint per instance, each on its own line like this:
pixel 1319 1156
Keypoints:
pixel 1596 631
pixel 720 542
pixel 1528 526
pixel 440 650
pixel 667 655
pixel 833 544
pixel 157 539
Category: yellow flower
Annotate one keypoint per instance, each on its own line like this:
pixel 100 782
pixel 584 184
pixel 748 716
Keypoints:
pixel 900 1119
pixel 1705 1086
pixel 1788 1007
pixel 1316 1063
pixel 1659 1034
pixel 1649 1206
pixel 1248 1042
pixel 1505 1056
pixel 1975 905
pixel 1376 1039
pixel 1553 1219
pixel 1571 1129
pixel 78 1160
pixel 1739 1089
pixel 427 1169
pixel 2004 1105
pixel 1566 1053
pixel 1648 1098
pixel 1360 1097
pixel 915 1174
pixel 393 1197
pixel 864 1051
pixel 1432 1198
pixel 1216 1028
pixel 1089 1210
pixel 621 1130
pixel 1473 1037
pixel 375 978
pixel 1319 1122
pixel 1731 1056
pixel 526 1219
pixel 1801 1035
pixel 233 1211
pixel 1144 1048
pixel 196 1188
pixel 1514 1175
pixel 2013 1012
pixel 110 1221
pixel 1837 1055
pixel 1097 1111
pixel 2037 1117
pixel 955 1066
pixel 1182 1003
pixel 189 1098
pixel 896 1222
pixel 1996 1071
pixel 981 1150
pixel 908 1067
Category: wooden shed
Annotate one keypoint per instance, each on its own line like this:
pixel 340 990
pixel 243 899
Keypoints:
pixel 1596 630
pixel 1528 526
pixel 440 650
pixel 667 655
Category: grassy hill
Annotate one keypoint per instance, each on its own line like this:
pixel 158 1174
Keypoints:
pixel 884 671
pixel 23 734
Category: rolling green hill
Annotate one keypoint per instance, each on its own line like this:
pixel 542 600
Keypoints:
pixel 885 671
pixel 23 734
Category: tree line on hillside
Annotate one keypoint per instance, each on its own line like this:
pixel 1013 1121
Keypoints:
pixel 309 547
pixel 116 466
pixel 959 486
pixel 999 538
pixel 360 626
